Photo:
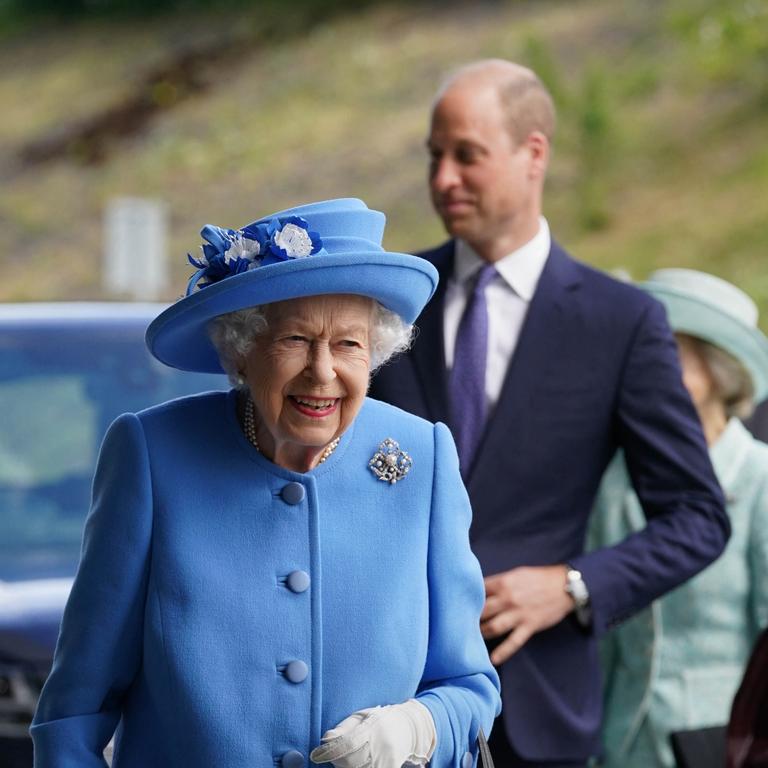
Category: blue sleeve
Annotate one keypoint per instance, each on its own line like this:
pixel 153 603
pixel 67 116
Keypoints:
pixel 669 465
pixel 99 648
pixel 459 686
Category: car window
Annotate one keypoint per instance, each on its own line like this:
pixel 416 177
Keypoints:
pixel 50 428
pixel 59 391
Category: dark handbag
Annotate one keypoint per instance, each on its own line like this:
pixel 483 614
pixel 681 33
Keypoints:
pixel 486 761
pixel 699 747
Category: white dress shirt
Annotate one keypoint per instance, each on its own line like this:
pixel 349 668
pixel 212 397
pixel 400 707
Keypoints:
pixel 508 297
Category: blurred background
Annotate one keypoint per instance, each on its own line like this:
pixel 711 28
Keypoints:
pixel 223 111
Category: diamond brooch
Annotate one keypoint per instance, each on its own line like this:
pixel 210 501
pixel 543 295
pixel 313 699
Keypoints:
pixel 389 463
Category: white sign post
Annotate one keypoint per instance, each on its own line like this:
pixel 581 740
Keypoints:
pixel 135 248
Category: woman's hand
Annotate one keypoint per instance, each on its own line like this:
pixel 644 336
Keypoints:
pixel 380 737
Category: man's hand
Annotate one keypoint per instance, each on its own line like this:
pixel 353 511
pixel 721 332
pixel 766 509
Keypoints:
pixel 521 602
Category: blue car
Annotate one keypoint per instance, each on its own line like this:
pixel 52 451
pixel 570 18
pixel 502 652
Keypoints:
pixel 66 371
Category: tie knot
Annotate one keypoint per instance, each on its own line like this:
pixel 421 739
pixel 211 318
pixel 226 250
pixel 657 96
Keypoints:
pixel 483 277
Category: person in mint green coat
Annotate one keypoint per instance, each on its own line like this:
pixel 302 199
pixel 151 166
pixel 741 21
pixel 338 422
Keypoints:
pixel 278 575
pixel 677 665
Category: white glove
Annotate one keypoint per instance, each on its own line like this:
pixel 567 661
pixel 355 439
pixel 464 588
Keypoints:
pixel 380 737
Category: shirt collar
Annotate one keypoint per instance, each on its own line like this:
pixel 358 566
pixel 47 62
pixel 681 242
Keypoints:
pixel 520 269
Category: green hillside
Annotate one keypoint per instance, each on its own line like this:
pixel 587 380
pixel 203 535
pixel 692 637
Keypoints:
pixel 661 156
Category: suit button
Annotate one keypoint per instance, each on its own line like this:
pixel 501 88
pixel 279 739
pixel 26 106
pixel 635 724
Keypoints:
pixel 297 671
pixel 467 761
pixel 292 759
pixel 293 493
pixel 298 581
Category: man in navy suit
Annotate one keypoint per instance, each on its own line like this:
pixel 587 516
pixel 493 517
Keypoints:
pixel 572 366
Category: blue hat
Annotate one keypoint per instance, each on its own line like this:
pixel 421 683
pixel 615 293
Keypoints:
pixel 709 308
pixel 320 248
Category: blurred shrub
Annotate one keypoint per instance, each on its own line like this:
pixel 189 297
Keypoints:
pixel 727 41
pixel 593 113
pixel 586 128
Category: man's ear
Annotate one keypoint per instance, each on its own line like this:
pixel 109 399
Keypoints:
pixel 538 146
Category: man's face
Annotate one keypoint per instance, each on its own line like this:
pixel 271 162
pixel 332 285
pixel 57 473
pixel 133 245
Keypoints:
pixel 483 185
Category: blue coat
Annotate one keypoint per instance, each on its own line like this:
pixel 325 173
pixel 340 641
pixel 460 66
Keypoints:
pixel 227 611
pixel 677 664
pixel 595 368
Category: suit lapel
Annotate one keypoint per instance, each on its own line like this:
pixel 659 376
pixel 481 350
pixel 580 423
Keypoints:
pixel 544 324
pixel 428 352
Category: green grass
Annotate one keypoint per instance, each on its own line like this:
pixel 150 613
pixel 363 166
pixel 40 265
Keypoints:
pixel 660 157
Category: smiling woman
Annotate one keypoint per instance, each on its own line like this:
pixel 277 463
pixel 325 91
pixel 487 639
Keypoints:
pixel 305 365
pixel 308 375
pixel 250 592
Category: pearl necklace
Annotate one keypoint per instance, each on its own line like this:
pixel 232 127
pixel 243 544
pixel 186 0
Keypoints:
pixel 249 427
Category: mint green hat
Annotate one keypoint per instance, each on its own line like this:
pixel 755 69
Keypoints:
pixel 712 309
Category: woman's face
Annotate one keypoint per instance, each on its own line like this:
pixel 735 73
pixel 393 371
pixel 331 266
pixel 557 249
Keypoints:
pixel 696 376
pixel 308 373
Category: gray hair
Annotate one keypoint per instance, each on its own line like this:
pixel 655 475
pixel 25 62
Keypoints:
pixel 233 334
pixel 733 383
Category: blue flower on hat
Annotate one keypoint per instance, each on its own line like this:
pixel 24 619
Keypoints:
pixel 228 252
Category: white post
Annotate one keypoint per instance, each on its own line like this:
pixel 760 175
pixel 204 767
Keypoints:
pixel 135 248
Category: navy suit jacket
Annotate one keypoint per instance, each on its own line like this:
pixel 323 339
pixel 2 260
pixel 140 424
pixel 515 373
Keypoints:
pixel 595 368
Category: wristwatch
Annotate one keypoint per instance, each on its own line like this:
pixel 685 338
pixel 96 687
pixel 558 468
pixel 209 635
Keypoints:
pixel 577 589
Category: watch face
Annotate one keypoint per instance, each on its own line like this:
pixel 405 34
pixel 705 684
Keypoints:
pixel 576 588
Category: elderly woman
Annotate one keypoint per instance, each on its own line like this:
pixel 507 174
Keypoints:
pixel 281 572
pixel 677 665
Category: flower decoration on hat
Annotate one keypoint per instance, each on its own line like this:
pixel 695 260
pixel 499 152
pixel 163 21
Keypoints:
pixel 228 252
pixel 290 239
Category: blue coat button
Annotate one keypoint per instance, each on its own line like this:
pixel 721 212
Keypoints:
pixel 292 759
pixel 298 581
pixel 467 761
pixel 293 493
pixel 297 671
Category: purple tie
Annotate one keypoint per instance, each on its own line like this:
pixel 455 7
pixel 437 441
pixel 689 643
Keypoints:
pixel 467 379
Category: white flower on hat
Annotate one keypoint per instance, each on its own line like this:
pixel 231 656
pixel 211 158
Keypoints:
pixel 242 248
pixel 226 252
pixel 294 241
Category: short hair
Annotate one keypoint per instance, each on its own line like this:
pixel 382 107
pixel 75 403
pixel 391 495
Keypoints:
pixel 733 382
pixel 528 107
pixel 525 100
pixel 233 334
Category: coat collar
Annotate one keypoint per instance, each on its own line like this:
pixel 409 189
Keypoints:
pixel 729 453
pixel 429 355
